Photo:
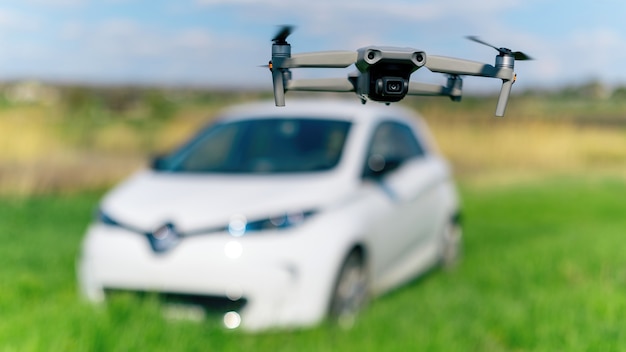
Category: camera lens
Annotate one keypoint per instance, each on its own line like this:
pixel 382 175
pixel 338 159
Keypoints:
pixel 394 86
pixel 390 89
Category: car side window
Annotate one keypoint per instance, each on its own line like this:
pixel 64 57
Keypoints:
pixel 395 141
pixel 392 144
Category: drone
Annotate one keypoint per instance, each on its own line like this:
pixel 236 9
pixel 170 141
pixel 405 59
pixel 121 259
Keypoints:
pixel 383 72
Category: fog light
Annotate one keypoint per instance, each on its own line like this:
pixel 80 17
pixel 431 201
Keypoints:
pixel 232 320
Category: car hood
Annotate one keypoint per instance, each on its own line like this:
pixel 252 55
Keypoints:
pixel 194 201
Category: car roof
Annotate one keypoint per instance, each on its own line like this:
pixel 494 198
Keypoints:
pixel 340 109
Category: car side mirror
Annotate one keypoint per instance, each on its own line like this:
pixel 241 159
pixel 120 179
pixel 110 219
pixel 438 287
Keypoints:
pixel 378 166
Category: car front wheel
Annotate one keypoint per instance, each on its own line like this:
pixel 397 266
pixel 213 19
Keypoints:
pixel 351 290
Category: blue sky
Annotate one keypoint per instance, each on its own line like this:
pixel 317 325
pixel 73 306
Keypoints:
pixel 221 42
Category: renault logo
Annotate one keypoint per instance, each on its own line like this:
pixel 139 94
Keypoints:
pixel 163 238
pixel 164 232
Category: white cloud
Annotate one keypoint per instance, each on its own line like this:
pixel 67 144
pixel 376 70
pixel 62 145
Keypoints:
pixel 55 3
pixel 596 50
pixel 599 40
pixel 126 50
pixel 13 20
pixel 348 12
pixel 195 39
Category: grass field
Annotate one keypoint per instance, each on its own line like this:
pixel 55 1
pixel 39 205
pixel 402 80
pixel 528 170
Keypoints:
pixel 544 270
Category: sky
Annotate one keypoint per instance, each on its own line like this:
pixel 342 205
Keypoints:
pixel 221 43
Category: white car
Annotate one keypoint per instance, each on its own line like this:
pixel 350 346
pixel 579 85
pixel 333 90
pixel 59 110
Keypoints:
pixel 293 214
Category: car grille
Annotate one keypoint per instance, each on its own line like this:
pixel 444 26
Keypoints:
pixel 209 303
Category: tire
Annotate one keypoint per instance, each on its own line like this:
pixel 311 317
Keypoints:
pixel 452 246
pixel 350 293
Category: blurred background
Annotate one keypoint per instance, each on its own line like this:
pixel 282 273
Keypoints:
pixel 117 80
pixel 90 89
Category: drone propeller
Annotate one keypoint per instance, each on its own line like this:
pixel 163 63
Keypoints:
pixel 281 37
pixel 518 55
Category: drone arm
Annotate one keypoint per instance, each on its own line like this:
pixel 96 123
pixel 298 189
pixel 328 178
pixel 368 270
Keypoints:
pixel 454 66
pixel 454 88
pixel 426 89
pixel 321 85
pixel 450 65
pixel 322 59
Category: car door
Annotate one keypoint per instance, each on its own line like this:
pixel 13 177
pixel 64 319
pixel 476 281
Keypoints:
pixel 408 176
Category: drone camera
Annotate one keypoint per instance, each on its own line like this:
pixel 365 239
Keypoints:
pixel 392 86
pixel 386 71
pixel 388 81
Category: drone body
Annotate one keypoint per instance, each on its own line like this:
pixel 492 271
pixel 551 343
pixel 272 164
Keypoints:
pixel 383 73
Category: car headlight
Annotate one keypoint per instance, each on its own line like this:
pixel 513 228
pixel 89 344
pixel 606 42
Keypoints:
pixel 239 225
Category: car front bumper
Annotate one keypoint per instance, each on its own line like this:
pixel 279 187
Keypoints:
pixel 281 287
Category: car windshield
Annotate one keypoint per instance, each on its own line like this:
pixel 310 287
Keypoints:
pixel 269 145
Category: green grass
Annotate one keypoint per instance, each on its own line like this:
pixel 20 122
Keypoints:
pixel 544 270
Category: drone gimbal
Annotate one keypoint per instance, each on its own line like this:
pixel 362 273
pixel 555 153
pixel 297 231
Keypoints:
pixel 383 73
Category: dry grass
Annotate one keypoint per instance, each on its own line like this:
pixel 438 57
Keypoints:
pixel 535 146
pixel 527 143
pixel 42 151
pixel 25 134
pixel 45 149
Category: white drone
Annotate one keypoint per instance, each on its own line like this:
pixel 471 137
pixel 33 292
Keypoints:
pixel 383 73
